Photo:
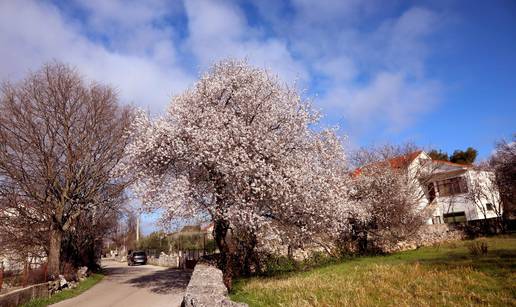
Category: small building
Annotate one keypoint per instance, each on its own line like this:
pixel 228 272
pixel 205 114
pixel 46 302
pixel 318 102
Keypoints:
pixel 451 192
pixel 208 230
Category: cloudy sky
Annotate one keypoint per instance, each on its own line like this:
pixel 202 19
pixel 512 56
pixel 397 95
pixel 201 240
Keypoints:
pixel 439 73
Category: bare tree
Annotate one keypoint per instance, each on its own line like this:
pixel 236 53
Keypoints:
pixel 503 162
pixel 483 191
pixel 82 245
pixel 60 139
pixel 379 154
pixel 122 236
pixel 390 195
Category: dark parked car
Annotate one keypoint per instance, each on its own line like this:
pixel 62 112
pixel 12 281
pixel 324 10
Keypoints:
pixel 137 257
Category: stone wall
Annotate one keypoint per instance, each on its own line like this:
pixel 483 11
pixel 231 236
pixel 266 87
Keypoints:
pixel 206 288
pixel 21 296
pixel 428 235
pixel 164 260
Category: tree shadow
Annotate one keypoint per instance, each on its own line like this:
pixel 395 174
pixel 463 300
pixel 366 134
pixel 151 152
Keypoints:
pixel 167 281
pixel 496 262
pixel 120 272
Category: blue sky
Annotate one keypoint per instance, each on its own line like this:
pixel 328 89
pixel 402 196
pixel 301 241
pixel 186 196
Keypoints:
pixel 438 73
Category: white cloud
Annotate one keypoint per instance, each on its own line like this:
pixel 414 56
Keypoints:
pixel 338 68
pixel 35 32
pixel 389 101
pixel 400 43
pixel 373 76
pixel 218 30
pixel 367 68
pixel 373 66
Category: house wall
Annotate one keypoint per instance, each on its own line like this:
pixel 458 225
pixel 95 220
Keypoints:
pixel 457 203
pixel 489 194
pixel 423 165
pixel 473 210
pixel 7 262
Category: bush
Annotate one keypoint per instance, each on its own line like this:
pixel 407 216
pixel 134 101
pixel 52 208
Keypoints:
pixel 317 259
pixel 478 248
pixel 279 264
pixel 273 265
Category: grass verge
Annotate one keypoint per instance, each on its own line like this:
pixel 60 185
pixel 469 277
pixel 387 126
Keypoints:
pixel 89 282
pixel 446 275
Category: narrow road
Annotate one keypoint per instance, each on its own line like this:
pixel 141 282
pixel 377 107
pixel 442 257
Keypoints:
pixel 128 286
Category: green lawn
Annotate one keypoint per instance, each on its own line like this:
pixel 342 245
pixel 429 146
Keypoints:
pixel 66 294
pixel 431 276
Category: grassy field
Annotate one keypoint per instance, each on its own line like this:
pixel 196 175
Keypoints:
pixel 448 275
pixel 66 294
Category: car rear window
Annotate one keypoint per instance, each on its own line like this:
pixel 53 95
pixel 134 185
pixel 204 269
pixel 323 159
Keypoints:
pixel 139 254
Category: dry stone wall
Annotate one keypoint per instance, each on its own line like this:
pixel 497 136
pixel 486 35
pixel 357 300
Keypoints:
pixel 206 288
pixel 164 260
pixel 428 235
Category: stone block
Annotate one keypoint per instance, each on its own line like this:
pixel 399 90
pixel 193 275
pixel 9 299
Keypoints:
pixel 206 288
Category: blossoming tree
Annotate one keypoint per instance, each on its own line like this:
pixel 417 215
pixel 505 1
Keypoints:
pixel 238 147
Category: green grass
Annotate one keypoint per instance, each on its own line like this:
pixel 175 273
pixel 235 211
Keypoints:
pixel 446 275
pixel 67 293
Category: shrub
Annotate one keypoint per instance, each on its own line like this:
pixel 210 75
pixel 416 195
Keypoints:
pixel 478 248
pixel 278 264
pixel 452 245
pixel 273 264
pixel 318 258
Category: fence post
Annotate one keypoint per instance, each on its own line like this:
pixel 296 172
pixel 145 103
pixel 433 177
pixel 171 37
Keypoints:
pixel 25 277
pixel 204 244
pixel 45 271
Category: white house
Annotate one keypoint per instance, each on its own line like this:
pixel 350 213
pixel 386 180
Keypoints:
pixel 451 192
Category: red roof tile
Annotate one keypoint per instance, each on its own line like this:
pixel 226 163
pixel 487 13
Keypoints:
pixel 396 162
pixel 404 161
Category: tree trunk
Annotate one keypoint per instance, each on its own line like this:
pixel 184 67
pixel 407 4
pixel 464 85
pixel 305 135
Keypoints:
pixel 1 274
pixel 54 254
pixel 221 231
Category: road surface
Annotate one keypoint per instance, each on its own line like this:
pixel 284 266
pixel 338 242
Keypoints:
pixel 128 286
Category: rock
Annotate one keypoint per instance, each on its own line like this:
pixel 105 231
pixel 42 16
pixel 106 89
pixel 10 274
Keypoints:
pixel 83 272
pixel 62 282
pixel 53 286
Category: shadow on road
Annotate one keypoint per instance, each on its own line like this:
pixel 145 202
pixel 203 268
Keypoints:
pixel 121 273
pixel 163 282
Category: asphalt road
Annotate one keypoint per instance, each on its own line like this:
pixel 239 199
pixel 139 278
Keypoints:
pixel 128 286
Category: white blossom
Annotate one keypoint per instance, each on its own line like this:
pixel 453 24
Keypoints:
pixel 238 147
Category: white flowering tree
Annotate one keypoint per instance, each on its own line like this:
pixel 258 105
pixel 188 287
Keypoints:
pixel 238 147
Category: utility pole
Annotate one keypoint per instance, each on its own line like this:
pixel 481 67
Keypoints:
pixel 138 228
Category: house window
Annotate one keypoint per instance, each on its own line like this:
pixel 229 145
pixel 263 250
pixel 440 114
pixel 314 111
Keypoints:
pixel 489 207
pixel 436 220
pixel 452 186
pixel 454 217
